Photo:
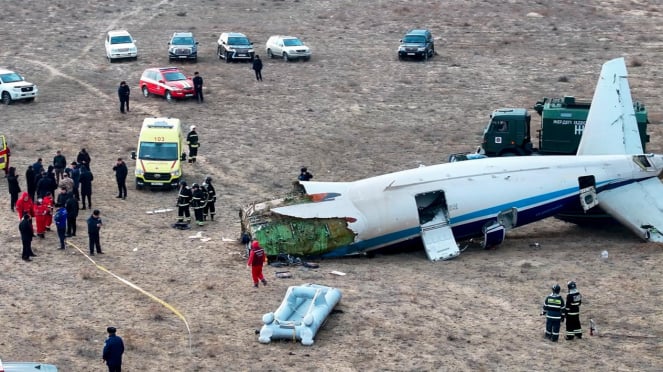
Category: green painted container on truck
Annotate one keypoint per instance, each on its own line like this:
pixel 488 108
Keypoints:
pixel 563 121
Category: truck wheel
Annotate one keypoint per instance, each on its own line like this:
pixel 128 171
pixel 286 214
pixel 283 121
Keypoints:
pixel 6 98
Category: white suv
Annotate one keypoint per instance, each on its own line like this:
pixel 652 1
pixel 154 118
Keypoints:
pixel 120 44
pixel 13 87
pixel 233 45
pixel 287 47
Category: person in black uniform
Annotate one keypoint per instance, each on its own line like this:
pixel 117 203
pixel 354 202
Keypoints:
pixel 30 180
pixel 83 157
pixel 123 92
pixel 198 86
pixel 121 172
pixel 85 182
pixel 113 350
pixel 27 232
pixel 304 174
pixel 183 201
pixel 572 310
pixel 93 226
pixel 198 203
pixel 13 186
pixel 192 141
pixel 210 209
pixel 257 67
pixel 72 213
pixel 553 309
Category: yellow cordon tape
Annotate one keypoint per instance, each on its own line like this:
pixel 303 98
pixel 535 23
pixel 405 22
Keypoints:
pixel 139 289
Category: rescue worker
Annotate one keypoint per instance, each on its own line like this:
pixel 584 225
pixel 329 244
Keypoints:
pixel 24 205
pixel 198 203
pixel 192 141
pixel 210 209
pixel 183 201
pixel 572 311
pixel 553 309
pixel 40 217
pixel 257 258
pixel 47 200
pixel 304 175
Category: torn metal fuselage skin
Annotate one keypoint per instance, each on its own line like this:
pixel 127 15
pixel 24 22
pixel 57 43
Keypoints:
pixel 299 236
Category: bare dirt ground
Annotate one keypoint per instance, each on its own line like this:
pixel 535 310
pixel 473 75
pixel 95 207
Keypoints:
pixel 353 111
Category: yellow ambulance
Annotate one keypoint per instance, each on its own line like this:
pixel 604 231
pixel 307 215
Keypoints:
pixel 4 154
pixel 159 154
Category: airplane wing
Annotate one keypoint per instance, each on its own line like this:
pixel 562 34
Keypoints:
pixel 611 126
pixel 638 206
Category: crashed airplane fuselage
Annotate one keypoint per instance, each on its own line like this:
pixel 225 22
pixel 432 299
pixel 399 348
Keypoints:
pixel 448 202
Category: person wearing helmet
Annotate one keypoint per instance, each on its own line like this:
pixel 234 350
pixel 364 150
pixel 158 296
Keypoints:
pixel 553 309
pixel 192 141
pixel 210 209
pixel 257 258
pixel 572 310
pixel 183 201
pixel 198 200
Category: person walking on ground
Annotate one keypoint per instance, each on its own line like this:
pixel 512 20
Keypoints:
pixel 123 92
pixel 113 350
pixel 210 208
pixel 304 175
pixel 72 213
pixel 553 309
pixel 198 203
pixel 25 205
pixel 13 187
pixel 121 172
pixel 193 142
pixel 257 67
pixel 61 224
pixel 93 226
pixel 183 202
pixel 572 310
pixel 30 181
pixel 256 261
pixel 59 164
pixel 83 157
pixel 25 228
pixel 198 86
pixel 85 181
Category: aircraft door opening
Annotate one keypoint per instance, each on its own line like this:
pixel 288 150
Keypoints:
pixel 436 232
pixel 588 197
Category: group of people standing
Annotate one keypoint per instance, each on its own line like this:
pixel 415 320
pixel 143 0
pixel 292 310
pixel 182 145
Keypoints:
pixel 556 310
pixel 201 198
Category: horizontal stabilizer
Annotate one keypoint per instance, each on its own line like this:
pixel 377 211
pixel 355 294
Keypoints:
pixel 611 126
pixel 325 187
pixel 638 206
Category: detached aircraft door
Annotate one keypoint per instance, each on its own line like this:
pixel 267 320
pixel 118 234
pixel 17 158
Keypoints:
pixel 436 233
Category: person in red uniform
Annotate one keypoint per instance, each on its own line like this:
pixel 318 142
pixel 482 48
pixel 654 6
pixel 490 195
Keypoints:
pixel 41 210
pixel 257 259
pixel 47 200
pixel 24 205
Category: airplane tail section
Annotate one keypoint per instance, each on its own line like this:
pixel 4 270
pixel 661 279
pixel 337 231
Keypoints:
pixel 611 126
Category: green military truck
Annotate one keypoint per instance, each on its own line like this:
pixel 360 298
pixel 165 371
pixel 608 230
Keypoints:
pixel 562 122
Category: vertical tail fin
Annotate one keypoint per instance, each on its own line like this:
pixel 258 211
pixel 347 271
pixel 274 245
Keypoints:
pixel 611 126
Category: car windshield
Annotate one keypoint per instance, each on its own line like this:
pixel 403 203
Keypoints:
pixel 11 77
pixel 417 39
pixel 238 41
pixel 126 39
pixel 174 76
pixel 182 41
pixel 292 42
pixel 158 151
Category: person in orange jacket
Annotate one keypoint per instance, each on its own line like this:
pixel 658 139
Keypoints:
pixel 257 258
pixel 41 210
pixel 24 205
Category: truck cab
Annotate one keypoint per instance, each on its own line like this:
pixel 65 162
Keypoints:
pixel 507 133
pixel 159 154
